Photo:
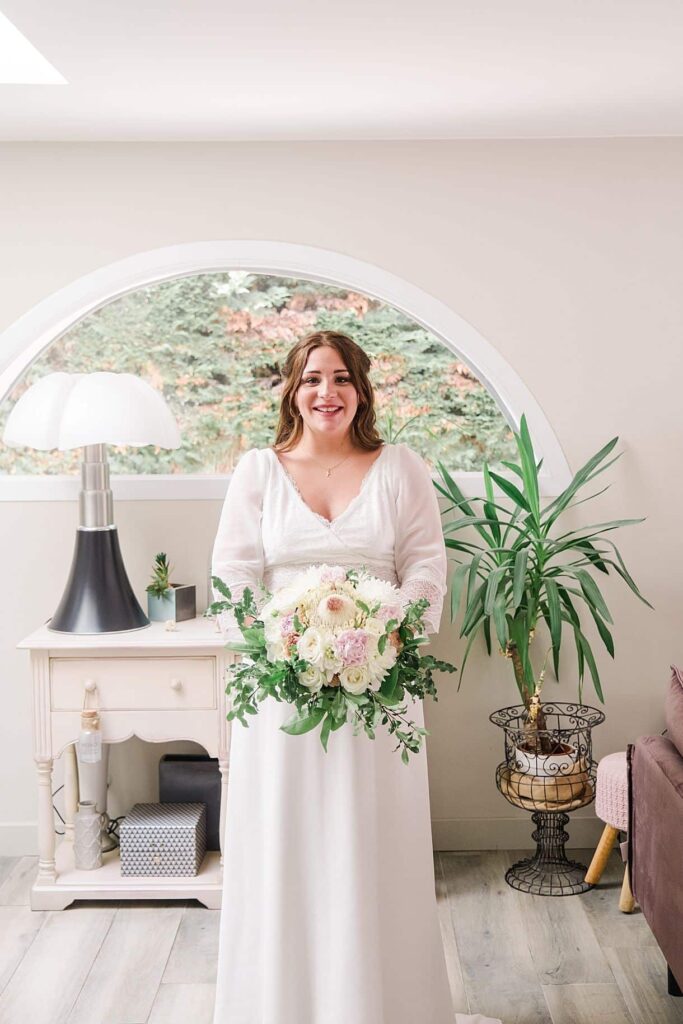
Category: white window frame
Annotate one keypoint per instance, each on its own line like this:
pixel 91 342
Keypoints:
pixel 26 339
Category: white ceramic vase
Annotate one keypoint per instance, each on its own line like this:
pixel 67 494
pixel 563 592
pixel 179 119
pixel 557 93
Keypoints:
pixel 87 842
pixel 546 765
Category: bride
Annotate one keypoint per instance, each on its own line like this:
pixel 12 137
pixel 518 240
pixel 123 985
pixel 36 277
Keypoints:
pixel 329 911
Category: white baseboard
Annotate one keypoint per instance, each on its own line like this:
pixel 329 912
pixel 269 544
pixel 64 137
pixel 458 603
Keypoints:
pixel 506 833
pixel 20 839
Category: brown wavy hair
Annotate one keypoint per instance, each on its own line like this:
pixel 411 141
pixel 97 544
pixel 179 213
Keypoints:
pixel 290 424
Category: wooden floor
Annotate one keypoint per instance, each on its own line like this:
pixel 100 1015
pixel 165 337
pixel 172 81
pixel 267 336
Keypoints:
pixel 525 959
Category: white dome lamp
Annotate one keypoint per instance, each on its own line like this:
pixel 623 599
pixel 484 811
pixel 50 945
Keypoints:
pixel 92 410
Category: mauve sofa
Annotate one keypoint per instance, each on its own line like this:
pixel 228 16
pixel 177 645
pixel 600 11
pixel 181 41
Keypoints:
pixel 655 837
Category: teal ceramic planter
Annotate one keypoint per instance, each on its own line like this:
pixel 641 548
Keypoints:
pixel 179 603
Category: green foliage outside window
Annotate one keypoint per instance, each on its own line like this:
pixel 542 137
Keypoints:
pixel 213 345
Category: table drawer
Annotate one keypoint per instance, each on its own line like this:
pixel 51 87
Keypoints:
pixel 130 683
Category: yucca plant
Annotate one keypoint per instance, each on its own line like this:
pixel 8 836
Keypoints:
pixel 523 570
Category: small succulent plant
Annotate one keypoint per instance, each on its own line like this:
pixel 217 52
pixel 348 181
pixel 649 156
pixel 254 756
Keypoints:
pixel 160 585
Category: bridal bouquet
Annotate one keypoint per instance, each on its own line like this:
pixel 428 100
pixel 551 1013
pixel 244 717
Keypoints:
pixel 339 645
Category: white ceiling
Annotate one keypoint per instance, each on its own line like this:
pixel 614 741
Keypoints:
pixel 362 69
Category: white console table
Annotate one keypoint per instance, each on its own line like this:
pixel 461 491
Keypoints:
pixel 152 683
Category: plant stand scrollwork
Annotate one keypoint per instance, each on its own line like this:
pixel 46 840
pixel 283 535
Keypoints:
pixel 550 772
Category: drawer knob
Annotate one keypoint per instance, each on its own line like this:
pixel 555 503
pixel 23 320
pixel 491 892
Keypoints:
pixel 90 685
pixel 176 684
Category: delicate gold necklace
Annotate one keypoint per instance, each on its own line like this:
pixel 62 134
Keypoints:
pixel 328 469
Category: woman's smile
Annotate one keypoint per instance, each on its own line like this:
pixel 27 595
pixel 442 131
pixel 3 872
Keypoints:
pixel 323 381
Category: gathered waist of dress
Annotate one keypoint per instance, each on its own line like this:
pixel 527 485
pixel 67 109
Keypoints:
pixel 276 576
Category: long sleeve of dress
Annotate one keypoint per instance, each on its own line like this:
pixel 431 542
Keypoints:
pixel 237 557
pixel 421 562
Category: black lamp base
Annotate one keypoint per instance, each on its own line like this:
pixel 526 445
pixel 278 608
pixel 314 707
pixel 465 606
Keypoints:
pixel 98 597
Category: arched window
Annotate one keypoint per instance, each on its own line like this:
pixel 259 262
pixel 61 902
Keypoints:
pixel 213 345
pixel 213 341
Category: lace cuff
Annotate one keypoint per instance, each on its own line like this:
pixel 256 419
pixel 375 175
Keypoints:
pixel 416 588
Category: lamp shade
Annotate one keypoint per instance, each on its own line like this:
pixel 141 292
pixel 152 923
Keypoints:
pixel 71 410
pixel 91 411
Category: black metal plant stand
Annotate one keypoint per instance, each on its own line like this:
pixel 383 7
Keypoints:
pixel 550 776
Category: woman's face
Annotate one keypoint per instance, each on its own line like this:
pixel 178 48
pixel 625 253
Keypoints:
pixel 326 397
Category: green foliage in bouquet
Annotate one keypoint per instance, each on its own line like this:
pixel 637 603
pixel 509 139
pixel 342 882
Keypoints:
pixel 252 681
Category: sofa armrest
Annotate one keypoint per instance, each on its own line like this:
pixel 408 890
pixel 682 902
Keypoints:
pixel 656 841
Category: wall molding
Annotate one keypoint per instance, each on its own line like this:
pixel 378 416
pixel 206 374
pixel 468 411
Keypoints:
pixel 20 839
pixel 508 833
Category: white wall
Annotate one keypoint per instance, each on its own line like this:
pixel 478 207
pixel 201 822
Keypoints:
pixel 566 256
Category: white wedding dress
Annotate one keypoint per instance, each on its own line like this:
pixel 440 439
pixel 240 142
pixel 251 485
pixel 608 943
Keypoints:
pixel 329 910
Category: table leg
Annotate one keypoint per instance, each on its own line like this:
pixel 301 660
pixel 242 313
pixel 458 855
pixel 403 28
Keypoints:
pixel 626 900
pixel 601 855
pixel 47 871
pixel 70 791
pixel 223 766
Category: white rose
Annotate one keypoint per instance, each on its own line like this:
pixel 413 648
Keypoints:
pixel 355 678
pixel 312 678
pixel 311 646
pixel 331 663
pixel 276 651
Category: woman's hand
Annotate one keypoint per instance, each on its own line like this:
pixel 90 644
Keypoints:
pixel 248 619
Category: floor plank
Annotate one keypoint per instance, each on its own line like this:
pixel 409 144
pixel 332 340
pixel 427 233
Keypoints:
pixel 455 978
pixel 18 929
pixel 497 966
pixel 15 889
pixel 194 956
pixel 6 865
pixel 586 1004
pixel 46 983
pixel 641 977
pixel 601 904
pixel 180 1004
pixel 124 979
pixel 562 943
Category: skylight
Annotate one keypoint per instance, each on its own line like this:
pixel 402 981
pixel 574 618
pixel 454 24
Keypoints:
pixel 20 62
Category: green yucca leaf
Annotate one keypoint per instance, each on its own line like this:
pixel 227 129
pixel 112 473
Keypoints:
pixel 500 620
pixel 529 470
pixel 585 648
pixel 519 578
pixel 604 632
pixel 487 634
pixel 512 492
pixel 556 507
pixel 553 599
pixel 592 593
pixel 457 583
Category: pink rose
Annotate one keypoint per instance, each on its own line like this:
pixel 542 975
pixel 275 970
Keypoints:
pixel 390 611
pixel 351 646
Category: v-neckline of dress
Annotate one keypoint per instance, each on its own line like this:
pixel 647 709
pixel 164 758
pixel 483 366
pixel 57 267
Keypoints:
pixel 323 519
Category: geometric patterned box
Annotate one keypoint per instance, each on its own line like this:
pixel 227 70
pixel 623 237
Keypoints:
pixel 163 839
